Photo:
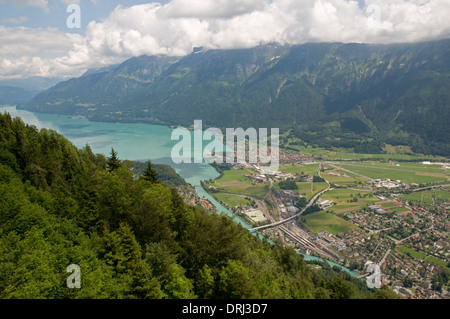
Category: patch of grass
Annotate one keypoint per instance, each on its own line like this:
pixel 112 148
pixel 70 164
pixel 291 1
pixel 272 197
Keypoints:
pixel 386 205
pixel 234 182
pixel 309 169
pixel 413 166
pixel 305 188
pixel 342 210
pixel 231 200
pixel 235 175
pixel 426 197
pixel 399 149
pixel 340 180
pixel 393 174
pixel 258 191
pixel 385 157
pixel 322 220
pixel 342 197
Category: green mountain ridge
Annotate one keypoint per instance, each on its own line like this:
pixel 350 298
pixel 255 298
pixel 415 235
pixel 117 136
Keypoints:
pixel 358 96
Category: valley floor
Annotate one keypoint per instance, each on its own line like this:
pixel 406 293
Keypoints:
pixel 394 214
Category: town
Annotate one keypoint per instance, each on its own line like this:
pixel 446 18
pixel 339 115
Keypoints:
pixel 391 214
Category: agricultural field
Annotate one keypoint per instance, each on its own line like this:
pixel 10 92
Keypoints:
pixel 387 205
pixel 400 153
pixel 396 173
pixel 322 220
pixel 305 188
pixel 231 200
pixel 234 182
pixel 345 155
pixel 309 169
pixel 236 175
pixel 344 199
pixel 334 176
pixel 394 165
pixel 427 197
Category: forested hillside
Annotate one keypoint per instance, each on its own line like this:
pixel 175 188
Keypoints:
pixel 132 238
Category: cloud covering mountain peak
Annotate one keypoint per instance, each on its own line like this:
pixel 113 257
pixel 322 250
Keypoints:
pixel 175 27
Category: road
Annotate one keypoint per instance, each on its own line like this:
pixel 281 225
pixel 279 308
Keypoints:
pixel 381 263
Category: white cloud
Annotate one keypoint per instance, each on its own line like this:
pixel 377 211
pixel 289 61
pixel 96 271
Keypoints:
pixel 178 26
pixel 16 42
pixel 35 52
pixel 209 8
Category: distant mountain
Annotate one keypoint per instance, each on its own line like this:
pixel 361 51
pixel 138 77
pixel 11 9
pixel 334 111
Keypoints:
pixel 34 84
pixel 357 96
pixel 15 91
pixel 12 95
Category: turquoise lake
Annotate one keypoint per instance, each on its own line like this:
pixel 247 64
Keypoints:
pixel 136 142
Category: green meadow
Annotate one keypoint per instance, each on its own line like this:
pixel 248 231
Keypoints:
pixel 395 174
pixel 309 169
pixel 308 189
pixel 234 181
pixel 426 197
pixel 231 200
pixel 322 220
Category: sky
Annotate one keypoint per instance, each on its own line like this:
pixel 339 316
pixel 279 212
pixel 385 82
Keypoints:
pixel 64 38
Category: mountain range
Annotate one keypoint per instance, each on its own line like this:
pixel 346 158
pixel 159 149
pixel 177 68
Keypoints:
pixel 21 90
pixel 357 96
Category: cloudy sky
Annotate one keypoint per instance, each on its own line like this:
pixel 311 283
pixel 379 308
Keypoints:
pixel 52 38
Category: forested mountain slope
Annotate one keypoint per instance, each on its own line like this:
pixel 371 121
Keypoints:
pixel 132 238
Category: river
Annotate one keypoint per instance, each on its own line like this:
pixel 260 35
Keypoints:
pixel 136 142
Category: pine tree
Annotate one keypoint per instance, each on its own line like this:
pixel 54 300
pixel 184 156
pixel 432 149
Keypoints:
pixel 113 161
pixel 150 174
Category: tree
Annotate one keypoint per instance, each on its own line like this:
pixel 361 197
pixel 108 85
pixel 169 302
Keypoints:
pixel 302 202
pixel 150 174
pixel 205 282
pixel 178 286
pixel 288 185
pixel 113 161
pixel 236 281
pixel 341 289
pixel 385 293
